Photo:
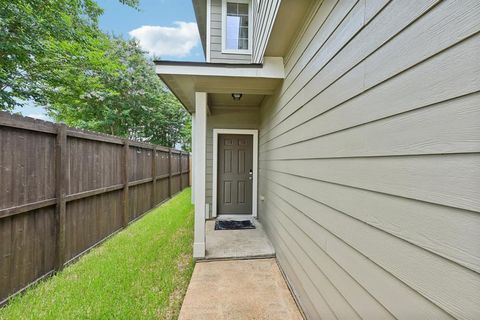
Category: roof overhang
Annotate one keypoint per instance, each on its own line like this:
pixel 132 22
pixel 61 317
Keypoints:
pixel 186 78
pixel 290 17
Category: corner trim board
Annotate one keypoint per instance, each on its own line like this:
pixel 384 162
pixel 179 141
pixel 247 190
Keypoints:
pixel 207 53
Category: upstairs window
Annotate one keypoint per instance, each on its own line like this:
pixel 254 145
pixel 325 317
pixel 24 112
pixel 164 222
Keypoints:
pixel 236 26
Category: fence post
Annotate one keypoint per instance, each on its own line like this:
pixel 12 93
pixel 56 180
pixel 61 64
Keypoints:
pixel 61 180
pixel 125 165
pixel 154 175
pixel 169 172
pixel 181 173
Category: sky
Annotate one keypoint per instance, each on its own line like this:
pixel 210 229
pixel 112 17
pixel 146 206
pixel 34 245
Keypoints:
pixel 164 28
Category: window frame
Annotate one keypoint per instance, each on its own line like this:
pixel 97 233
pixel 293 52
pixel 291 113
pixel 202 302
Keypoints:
pixel 224 28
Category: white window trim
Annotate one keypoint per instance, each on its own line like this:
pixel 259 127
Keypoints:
pixel 254 133
pixel 224 27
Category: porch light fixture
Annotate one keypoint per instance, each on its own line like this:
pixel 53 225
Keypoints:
pixel 236 96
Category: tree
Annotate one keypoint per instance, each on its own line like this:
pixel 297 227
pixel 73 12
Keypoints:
pixel 187 135
pixel 35 32
pixel 129 100
pixel 53 54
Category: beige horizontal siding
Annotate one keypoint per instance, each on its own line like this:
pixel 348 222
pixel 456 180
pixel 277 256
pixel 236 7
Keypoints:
pixel 445 127
pixel 370 161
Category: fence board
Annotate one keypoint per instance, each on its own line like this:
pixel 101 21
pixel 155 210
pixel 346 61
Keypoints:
pixel 26 178
pixel 64 190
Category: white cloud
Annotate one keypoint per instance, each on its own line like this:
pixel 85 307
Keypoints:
pixel 175 41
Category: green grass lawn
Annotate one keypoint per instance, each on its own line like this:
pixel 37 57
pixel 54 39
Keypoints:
pixel 140 273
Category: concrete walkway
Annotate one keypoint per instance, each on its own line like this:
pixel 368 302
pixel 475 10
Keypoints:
pixel 237 290
pixel 237 244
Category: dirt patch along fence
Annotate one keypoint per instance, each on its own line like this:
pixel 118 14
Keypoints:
pixel 64 190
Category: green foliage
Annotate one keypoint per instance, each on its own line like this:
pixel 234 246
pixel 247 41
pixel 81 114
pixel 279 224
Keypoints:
pixel 33 32
pixel 140 273
pixel 128 100
pixel 187 135
pixel 53 53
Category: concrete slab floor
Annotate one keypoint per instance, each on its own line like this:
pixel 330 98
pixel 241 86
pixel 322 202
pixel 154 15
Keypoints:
pixel 236 244
pixel 238 290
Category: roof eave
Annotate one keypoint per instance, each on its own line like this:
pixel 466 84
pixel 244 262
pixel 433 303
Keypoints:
pixel 184 78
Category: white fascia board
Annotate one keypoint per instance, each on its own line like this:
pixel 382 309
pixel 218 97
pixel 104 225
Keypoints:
pixel 272 68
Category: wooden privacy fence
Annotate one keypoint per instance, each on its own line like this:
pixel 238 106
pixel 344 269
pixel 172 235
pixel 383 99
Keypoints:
pixel 63 191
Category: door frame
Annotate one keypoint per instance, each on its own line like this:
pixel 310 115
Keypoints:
pixel 252 132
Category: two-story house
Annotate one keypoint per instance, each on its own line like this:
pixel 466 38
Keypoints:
pixel 351 130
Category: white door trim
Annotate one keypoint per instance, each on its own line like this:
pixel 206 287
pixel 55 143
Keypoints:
pixel 254 133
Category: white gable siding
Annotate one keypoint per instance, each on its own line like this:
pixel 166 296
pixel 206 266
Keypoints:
pixel 264 17
pixel 370 161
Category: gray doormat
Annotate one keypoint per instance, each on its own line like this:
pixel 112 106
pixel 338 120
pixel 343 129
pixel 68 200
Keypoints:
pixel 233 225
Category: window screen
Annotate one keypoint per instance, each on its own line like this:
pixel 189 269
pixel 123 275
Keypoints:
pixel 237 26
